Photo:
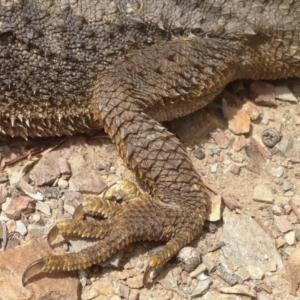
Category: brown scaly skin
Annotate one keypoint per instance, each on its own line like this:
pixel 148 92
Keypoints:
pixel 74 66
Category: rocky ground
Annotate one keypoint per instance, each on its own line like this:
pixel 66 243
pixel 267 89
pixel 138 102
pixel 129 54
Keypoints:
pixel 248 250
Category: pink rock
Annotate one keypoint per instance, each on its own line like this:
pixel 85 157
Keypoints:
pixel 47 169
pixel 264 93
pixel 19 205
pixel 64 165
pixel 84 177
pixel 14 261
pixel 87 181
pixel 283 223
pixel 221 139
pixel 3 193
pixel 235 169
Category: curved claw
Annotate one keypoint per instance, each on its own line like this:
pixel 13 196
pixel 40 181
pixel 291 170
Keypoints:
pixel 52 235
pixel 149 269
pixel 78 213
pixel 33 269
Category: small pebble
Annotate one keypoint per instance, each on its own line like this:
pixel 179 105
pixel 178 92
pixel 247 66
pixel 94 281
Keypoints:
pixel 213 149
pixel 224 272
pixel 264 121
pixel 289 194
pixel 227 160
pixel 189 258
pixel 62 183
pixel 21 228
pixel 202 276
pixel 251 109
pixel 239 143
pixel 215 213
pixel 255 272
pixel 277 172
pixel 201 288
pixel 287 147
pixel 290 238
pixel 43 207
pixel 199 153
pixel 280 242
pixel 297 233
pixel 121 289
pixel 263 194
pixel 113 260
pixel 200 269
pixel 227 169
pixel 242 273
pixel 289 250
pixel 210 265
pixel 283 93
pixel 287 209
pixel 35 231
pixel 112 170
pixel 238 158
pixel 239 289
pixel 277 210
pixel 287 186
pixel 69 209
pixel 210 227
pixel 235 169
pixel 283 224
pixel 11 226
pixel 213 168
pixel 36 217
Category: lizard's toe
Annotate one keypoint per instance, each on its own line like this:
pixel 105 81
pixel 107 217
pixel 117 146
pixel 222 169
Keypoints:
pixel 79 212
pixel 33 269
pixel 164 253
pixel 79 228
pixel 149 269
pixel 52 235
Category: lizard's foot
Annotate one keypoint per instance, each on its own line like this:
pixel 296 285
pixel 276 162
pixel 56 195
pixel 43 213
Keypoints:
pixel 142 218
pixel 139 218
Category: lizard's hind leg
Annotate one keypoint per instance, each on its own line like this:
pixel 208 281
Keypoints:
pixel 176 203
